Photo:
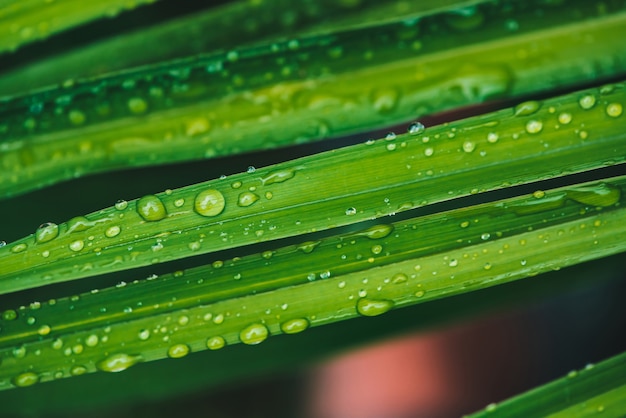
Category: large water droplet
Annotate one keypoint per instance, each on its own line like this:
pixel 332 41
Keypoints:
pixel 209 202
pixel 534 126
pixel 416 128
pixel 178 351
pixel 112 231
pixel 254 334
pixel 377 231
pixel 614 110
pixel 527 108
pixel 601 195
pixel 46 232
pixel 151 209
pixel 117 362
pixel 78 223
pixel 294 326
pixel 587 101
pixel 25 379
pixel 373 307
pixel 77 245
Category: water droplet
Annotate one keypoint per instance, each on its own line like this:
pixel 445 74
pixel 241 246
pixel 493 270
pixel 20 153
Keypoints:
pixel 485 236
pixel 390 136
pixel 151 209
pixel 376 249
pixel 308 247
pixel 9 315
pixel 599 195
pixel 294 326
pixel 18 248
pixel 377 231
pixel 419 294
pixel 278 176
pixel 246 199
pixel 78 224
pixel 215 343
pixel 416 128
pixel 121 205
pixel 487 266
pixel 19 352
pixel 527 108
pixel 78 370
pixel 351 211
pixel 587 101
pixel 26 379
pixel 491 407
pixel 534 126
pixel 453 262
pixel 492 137
pixel 209 202
pixel 429 151
pixel 325 274
pixel 565 118
pixel 92 340
pixel 117 362
pixel 77 245
pixel 250 169
pixel 254 334
pixel 373 307
pixel 44 330
pixel 178 351
pixel 112 231
pixel 614 110
pixel 399 278
pixel 469 146
pixel 137 105
pixel 46 232
pixel 144 334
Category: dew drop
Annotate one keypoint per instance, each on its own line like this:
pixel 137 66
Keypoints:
pixel 351 211
pixel 46 232
pixel 78 370
pixel 117 362
pixel 246 199
pixel 215 343
pixel 614 110
pixel 378 231
pixel 429 151
pixel 399 278
pixel 469 146
pixel 77 245
pixel 121 204
pixel 78 224
pixel 492 137
pixel 376 249
pixel 278 176
pixel 254 334
pixel 251 169
pixel 325 274
pixel 373 307
pixel 144 334
pixel 534 126
pixel 151 209
pixel 209 202
pixel 92 340
pixel 19 352
pixel 308 247
pixel 178 351
pixel 487 266
pixel 18 248
pixel 112 231
pixel 485 236
pixel 587 101
pixel 26 379
pixel 565 118
pixel 453 262
pixel 527 108
pixel 294 326
pixel 44 330
pixel 416 128
pixel 9 315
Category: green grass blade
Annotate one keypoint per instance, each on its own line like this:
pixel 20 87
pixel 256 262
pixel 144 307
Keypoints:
pixel 301 90
pixel 595 390
pixel 533 141
pixel 247 300
pixel 25 21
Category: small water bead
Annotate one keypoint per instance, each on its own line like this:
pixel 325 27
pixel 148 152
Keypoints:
pixel 373 307
pixel 378 231
pixel 325 274
pixel 614 110
pixel 209 203
pixel 294 326
pixel 215 343
pixel 151 209
pixel 44 330
pixel 534 126
pixel 9 315
pixel 77 245
pixel 179 202
pixel 121 204
pixel 492 137
pixel 453 262
pixel 565 118
pixel 429 151
pixel 308 247
pixel 19 352
pixel 376 249
pixel 78 370
pixel 351 211
pixel 485 236
pixel 112 231
pixel 117 362
pixel 92 340
pixel 390 136
pixel 491 407
pixel 487 266
pixel 399 278
pixel 254 334
pixel 419 293
pixel 143 334
pixel 137 105
pixel 250 170
pixel 246 199
pixel 416 128
pixel 587 101
pixel 391 147
pixel 527 108
pixel 278 176
pixel 178 351
pixel 25 379
pixel 469 146
pixel 78 224
pixel 46 232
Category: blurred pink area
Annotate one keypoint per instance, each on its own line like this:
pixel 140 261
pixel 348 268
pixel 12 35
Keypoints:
pixel 444 373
